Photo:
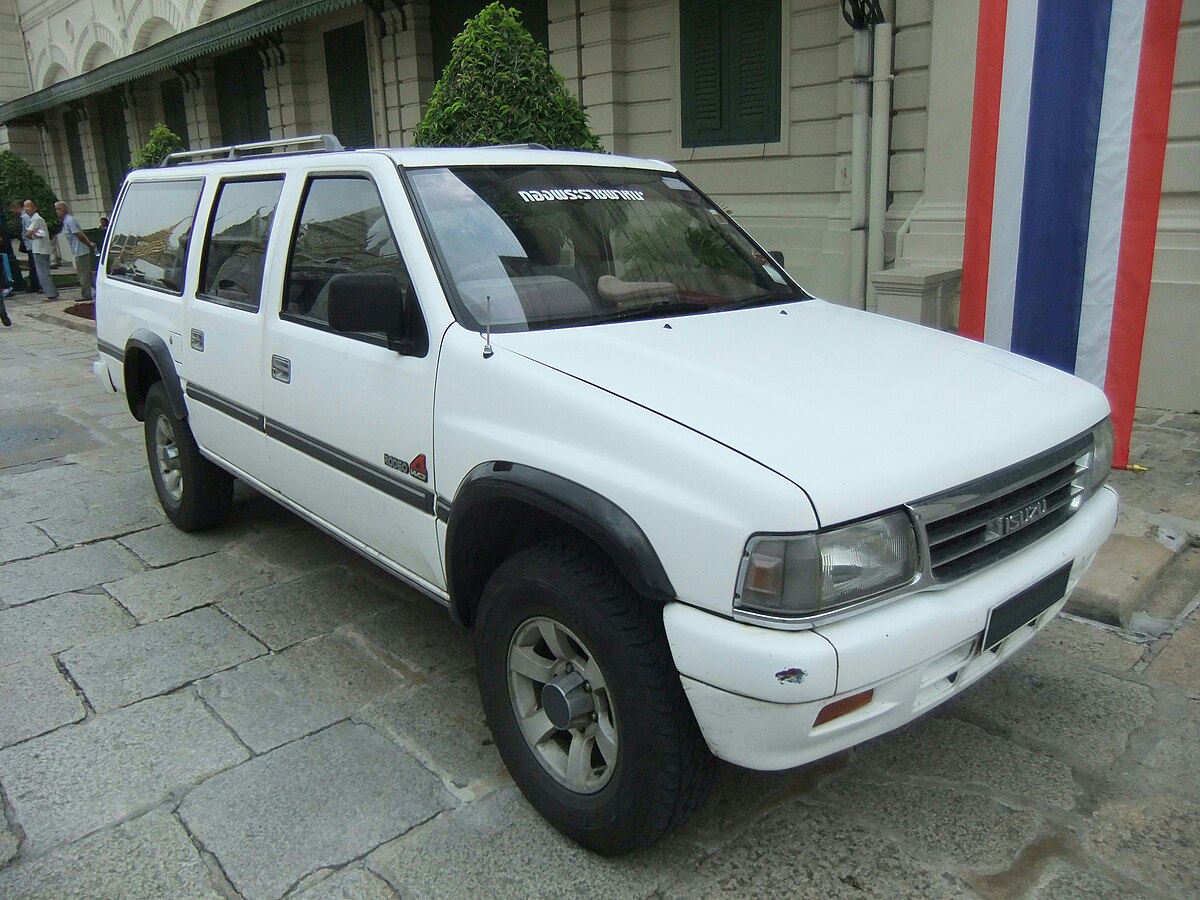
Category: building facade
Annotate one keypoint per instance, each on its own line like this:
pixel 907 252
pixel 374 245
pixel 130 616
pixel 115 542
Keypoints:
pixel 772 106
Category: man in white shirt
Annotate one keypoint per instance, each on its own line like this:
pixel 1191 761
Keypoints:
pixel 38 236
pixel 82 248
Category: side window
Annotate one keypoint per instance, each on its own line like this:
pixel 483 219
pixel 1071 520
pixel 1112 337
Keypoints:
pixel 342 229
pixel 236 247
pixel 149 239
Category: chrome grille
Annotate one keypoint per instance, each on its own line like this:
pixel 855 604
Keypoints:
pixel 984 521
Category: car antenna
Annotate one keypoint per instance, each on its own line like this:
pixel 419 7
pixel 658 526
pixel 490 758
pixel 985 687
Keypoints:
pixel 487 338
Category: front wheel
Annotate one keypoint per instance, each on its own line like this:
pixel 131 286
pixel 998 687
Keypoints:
pixel 194 493
pixel 584 701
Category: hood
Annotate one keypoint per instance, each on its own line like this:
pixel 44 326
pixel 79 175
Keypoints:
pixel 862 412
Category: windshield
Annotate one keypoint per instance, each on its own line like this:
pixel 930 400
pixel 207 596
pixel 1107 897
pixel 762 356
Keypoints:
pixel 550 246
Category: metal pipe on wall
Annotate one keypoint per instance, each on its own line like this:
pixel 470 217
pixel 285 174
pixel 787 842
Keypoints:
pixel 858 167
pixel 881 116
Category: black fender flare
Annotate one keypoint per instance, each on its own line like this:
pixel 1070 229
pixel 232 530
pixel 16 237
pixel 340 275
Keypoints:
pixel 611 528
pixel 157 349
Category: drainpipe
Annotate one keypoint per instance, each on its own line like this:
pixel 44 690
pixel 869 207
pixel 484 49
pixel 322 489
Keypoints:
pixel 881 114
pixel 858 167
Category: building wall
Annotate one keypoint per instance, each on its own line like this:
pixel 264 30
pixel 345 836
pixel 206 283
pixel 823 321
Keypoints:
pixel 621 57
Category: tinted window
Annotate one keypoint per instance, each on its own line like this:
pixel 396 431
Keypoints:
pixel 342 229
pixel 150 235
pixel 236 249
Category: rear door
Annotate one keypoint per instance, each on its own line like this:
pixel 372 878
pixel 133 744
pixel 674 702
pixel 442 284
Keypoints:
pixel 224 326
pixel 350 421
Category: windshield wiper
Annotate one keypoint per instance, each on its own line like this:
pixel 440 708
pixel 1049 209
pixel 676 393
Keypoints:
pixel 765 299
pixel 653 310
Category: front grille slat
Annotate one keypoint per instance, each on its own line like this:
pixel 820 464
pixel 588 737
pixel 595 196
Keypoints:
pixel 964 527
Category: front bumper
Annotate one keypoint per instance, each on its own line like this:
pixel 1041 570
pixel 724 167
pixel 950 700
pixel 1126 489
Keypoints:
pixel 103 376
pixel 756 692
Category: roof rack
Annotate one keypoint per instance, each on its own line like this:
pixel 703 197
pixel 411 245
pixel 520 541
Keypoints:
pixel 529 146
pixel 315 143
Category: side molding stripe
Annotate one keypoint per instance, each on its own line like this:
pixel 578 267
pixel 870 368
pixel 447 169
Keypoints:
pixel 111 350
pixel 243 414
pixel 412 495
pixel 421 498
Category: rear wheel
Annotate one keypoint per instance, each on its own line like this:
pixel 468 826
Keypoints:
pixel 584 701
pixel 194 493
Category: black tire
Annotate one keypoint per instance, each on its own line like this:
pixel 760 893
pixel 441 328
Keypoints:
pixel 202 494
pixel 662 769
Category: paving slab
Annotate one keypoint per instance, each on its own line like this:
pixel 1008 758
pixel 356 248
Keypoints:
pixel 64 571
pixel 35 698
pixel 148 858
pixel 26 508
pixel 825 855
pixel 351 883
pixel 290 612
pixel 190 584
pixel 1177 587
pixel 1085 640
pixel 163 545
pixel 301 548
pixel 956 751
pixel 1116 584
pixel 948 828
pixel 103 520
pixel 500 848
pixel 442 723
pixel 22 541
pixel 152 659
pixel 1053 703
pixel 97 773
pixel 1151 839
pixel 51 477
pixel 284 696
pixel 57 623
pixel 1064 881
pixel 419 634
pixel 315 803
pixel 1171 756
pixel 1178 662
pixel 9 845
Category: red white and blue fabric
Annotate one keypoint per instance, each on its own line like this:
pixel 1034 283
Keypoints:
pixel 1068 136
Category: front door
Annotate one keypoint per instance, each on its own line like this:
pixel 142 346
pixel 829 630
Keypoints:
pixel 224 325
pixel 349 421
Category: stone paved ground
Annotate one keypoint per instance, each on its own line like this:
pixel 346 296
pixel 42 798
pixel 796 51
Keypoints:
pixel 256 712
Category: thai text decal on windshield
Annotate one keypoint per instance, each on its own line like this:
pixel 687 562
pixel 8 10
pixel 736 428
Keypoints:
pixel 580 194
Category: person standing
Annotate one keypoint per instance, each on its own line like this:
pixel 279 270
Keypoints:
pixel 38 235
pixel 82 249
pixel 10 230
pixel 22 220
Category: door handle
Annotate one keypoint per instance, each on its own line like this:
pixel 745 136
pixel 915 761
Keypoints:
pixel 281 369
pixel 197 339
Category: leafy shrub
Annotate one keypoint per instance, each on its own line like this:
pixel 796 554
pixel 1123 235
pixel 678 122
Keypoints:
pixel 163 142
pixel 20 181
pixel 499 88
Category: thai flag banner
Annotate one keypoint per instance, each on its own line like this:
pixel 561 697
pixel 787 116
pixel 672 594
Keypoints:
pixel 1068 136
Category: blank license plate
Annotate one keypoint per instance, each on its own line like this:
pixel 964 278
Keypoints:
pixel 1025 607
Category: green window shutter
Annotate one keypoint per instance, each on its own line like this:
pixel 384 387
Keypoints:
pixel 730 71
pixel 241 97
pixel 75 151
pixel 349 83
pixel 704 120
pixel 114 140
pixel 174 108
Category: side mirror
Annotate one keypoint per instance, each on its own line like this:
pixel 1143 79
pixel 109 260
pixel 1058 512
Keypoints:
pixel 777 255
pixel 377 302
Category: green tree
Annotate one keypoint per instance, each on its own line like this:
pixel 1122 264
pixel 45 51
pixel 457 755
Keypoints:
pixel 499 88
pixel 163 142
pixel 20 181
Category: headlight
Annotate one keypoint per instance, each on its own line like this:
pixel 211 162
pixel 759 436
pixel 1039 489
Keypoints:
pixel 810 574
pixel 1098 461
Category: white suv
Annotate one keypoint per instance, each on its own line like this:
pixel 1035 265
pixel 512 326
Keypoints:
pixel 685 506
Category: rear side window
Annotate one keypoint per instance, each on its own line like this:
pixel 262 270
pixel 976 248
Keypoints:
pixel 149 239
pixel 236 247
pixel 342 229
